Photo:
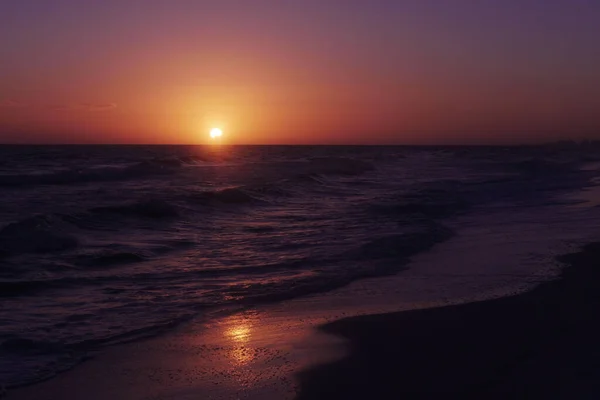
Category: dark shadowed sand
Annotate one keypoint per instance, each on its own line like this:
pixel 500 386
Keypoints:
pixel 541 344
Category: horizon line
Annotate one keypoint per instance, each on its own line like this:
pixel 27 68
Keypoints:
pixel 315 144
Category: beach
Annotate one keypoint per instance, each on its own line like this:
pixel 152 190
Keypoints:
pixel 499 343
pixel 539 344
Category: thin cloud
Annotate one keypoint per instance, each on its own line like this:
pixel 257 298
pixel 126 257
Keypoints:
pixel 89 107
pixel 56 107
pixel 98 106
pixel 10 103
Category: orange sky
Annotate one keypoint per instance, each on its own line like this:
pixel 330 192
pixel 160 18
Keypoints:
pixel 132 72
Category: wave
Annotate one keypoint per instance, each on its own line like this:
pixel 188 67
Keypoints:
pixel 536 166
pixel 101 174
pixel 430 203
pixel 310 178
pixel 231 196
pixel 379 257
pixel 28 346
pixel 339 165
pixel 269 191
pixel 12 287
pixel 174 161
pixel 111 258
pixel 146 208
pixel 257 194
pixel 403 245
pixel 20 288
pixel 33 360
pixel 160 163
pixel 39 234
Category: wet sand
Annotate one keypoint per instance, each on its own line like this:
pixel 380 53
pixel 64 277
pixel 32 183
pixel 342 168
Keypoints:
pixel 250 355
pixel 544 343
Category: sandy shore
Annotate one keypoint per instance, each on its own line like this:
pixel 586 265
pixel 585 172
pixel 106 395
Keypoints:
pixel 539 344
pixel 252 354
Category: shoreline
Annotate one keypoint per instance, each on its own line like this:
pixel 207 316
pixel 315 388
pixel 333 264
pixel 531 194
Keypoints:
pixel 540 343
pixel 260 353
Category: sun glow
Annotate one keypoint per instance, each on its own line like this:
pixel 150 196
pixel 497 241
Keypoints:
pixel 216 133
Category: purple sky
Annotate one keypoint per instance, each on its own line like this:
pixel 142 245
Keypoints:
pixel 268 71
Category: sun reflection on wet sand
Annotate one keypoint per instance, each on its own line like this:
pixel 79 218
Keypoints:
pixel 238 331
pixel 251 355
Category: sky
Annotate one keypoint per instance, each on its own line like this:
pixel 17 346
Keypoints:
pixel 299 71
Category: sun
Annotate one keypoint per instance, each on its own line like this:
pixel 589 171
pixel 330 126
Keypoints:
pixel 216 133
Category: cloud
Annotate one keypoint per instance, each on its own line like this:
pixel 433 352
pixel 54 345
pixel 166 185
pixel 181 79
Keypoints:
pixel 59 107
pixel 89 107
pixel 98 106
pixel 10 103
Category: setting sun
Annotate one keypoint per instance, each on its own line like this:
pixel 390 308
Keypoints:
pixel 216 133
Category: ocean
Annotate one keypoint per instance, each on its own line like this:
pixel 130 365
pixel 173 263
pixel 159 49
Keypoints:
pixel 106 244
